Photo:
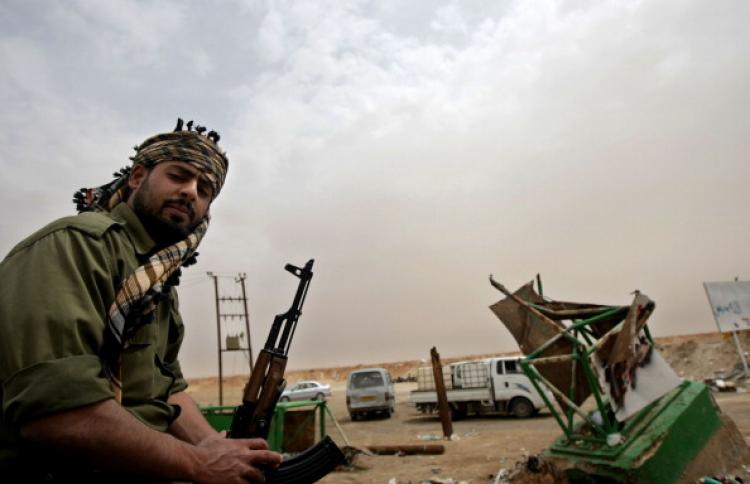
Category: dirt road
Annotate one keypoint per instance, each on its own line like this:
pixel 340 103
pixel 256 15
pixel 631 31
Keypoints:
pixel 481 447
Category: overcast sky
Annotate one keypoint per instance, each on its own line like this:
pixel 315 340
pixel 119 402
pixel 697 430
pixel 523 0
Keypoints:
pixel 411 148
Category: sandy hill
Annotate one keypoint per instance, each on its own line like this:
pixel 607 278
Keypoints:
pixel 695 356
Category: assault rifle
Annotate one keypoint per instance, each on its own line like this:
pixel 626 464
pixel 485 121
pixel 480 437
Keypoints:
pixel 253 417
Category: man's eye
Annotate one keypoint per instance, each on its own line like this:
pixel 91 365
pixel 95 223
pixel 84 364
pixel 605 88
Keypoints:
pixel 205 190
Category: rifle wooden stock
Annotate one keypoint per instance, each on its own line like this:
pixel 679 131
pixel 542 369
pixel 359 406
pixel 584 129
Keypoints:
pixel 257 378
pixel 262 391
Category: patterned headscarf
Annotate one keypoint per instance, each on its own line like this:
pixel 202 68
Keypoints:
pixel 136 301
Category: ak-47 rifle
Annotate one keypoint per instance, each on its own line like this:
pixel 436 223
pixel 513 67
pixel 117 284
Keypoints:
pixel 262 391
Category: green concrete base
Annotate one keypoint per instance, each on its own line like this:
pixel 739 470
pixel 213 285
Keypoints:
pixel 658 443
pixel 220 418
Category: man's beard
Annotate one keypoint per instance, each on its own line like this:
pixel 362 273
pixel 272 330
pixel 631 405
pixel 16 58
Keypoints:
pixel 163 230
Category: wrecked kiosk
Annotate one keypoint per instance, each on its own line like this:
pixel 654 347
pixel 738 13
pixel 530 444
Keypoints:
pixel 647 425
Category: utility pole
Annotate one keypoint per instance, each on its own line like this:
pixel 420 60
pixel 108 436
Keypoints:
pixel 241 279
pixel 218 336
pixel 230 342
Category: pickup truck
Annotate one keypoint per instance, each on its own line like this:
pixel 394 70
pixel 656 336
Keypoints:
pixel 481 387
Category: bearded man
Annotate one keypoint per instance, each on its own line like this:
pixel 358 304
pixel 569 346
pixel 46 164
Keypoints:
pixel 90 384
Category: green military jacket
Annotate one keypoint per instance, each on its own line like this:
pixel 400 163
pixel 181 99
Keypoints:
pixel 56 288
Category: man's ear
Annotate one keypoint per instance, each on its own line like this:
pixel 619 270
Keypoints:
pixel 137 175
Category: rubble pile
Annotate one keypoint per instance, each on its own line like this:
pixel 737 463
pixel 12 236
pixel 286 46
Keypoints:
pixel 707 357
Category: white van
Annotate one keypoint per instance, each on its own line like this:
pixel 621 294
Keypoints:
pixel 370 391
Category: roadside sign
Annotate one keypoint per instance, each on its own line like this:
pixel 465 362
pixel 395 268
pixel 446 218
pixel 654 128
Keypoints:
pixel 730 304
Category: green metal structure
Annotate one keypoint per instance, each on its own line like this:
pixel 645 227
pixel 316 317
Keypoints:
pixel 220 418
pixel 582 339
pixel 656 443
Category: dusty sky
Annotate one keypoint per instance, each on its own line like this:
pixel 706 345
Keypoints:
pixel 411 148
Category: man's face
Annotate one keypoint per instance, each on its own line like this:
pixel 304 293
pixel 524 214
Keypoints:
pixel 171 199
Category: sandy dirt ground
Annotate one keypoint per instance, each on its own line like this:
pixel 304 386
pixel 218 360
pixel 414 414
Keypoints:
pixel 481 447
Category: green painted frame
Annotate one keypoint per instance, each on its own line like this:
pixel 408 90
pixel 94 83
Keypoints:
pixel 584 346
pixel 220 418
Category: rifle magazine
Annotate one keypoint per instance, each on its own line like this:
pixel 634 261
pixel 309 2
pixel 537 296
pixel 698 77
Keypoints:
pixel 309 466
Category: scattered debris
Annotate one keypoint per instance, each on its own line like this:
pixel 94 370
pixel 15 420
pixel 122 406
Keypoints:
pixel 429 437
pixel 720 385
pixel 425 449
pixel 502 476
pixel 533 464
pixel 443 481
pixel 531 469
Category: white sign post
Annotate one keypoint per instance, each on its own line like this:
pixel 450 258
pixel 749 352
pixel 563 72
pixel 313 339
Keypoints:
pixel 730 304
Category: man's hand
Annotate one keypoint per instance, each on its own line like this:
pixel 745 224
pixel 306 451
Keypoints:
pixel 234 460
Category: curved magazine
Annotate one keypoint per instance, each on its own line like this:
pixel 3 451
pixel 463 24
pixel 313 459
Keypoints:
pixel 308 466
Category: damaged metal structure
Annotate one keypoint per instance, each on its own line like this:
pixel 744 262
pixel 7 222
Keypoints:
pixel 647 424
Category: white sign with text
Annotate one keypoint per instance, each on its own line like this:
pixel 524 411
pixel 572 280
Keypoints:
pixel 730 303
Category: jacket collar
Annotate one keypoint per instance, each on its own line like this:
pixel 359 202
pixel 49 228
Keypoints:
pixel 143 242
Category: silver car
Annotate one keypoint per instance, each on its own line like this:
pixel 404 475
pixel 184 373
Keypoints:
pixel 306 390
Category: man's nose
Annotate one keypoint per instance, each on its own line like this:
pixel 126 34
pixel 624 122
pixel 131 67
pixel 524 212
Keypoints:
pixel 189 189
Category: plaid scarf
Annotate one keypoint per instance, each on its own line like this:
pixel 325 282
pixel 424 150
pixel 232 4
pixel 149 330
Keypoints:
pixel 136 301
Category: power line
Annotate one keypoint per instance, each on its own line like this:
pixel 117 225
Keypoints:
pixel 192 283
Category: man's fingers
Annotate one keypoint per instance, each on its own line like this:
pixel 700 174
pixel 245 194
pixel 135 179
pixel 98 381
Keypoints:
pixel 254 444
pixel 259 461
pixel 265 458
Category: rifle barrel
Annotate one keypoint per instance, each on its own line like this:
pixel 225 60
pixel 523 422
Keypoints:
pixel 295 311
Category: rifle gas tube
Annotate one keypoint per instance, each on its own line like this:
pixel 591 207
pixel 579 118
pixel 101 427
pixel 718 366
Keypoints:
pixel 262 391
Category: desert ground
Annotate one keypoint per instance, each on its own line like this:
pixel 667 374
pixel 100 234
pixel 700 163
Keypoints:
pixel 480 447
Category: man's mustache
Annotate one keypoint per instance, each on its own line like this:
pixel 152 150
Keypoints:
pixel 178 202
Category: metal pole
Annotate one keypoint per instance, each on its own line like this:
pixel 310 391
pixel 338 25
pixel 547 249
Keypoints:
pixel 338 427
pixel 570 404
pixel 532 373
pixel 742 353
pixel 218 337
pixel 442 398
pixel 247 320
